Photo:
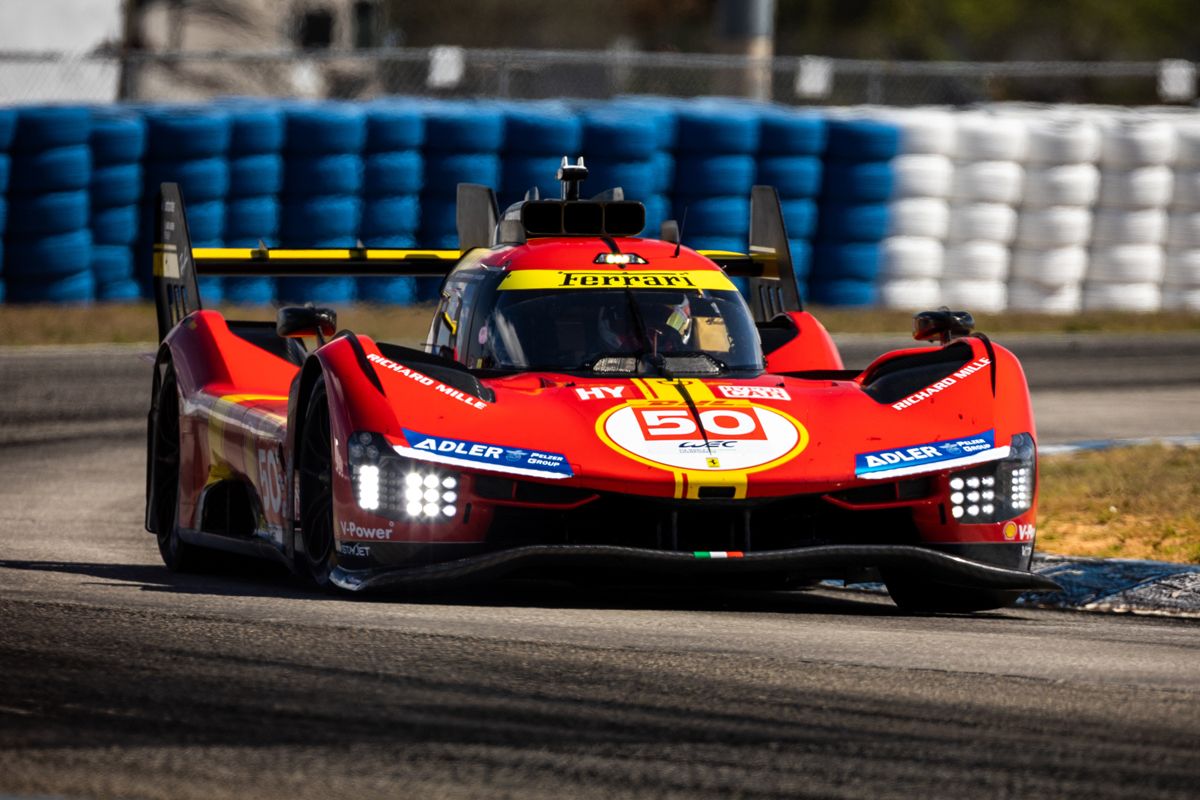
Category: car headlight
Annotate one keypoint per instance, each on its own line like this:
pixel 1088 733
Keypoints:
pixel 998 490
pixel 396 487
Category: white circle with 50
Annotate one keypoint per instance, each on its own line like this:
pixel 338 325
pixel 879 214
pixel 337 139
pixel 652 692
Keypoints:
pixel 739 437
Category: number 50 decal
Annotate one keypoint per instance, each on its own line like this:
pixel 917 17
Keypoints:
pixel 270 479
pixel 667 424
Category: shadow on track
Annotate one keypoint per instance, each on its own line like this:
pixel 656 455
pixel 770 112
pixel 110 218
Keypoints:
pixel 247 578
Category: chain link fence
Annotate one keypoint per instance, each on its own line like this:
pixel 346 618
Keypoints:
pixel 535 74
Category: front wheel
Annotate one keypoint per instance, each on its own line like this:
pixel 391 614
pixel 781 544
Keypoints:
pixel 315 467
pixel 915 595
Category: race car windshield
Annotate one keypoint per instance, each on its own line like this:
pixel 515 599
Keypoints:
pixel 616 330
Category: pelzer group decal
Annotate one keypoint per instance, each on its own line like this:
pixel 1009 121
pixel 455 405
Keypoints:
pixel 717 436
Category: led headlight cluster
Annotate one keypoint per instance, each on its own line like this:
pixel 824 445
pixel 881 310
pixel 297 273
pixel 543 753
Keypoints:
pixel 998 490
pixel 399 488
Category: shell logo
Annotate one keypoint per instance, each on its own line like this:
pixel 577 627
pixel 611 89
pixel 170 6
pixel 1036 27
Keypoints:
pixel 1010 531
pixel 722 436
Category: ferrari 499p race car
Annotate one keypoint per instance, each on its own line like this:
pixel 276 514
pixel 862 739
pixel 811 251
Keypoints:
pixel 588 403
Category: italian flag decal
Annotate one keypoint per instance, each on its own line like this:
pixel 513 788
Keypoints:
pixel 718 554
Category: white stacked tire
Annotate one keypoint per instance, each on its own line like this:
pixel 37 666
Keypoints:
pixel 919 211
pixel 1127 263
pixel 1054 225
pixel 988 183
pixel 1181 268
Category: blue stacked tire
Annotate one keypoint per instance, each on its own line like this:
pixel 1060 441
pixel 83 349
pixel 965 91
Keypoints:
pixel 393 173
pixel 8 124
pixel 536 137
pixel 853 218
pixel 322 191
pixel 252 210
pixel 189 146
pixel 715 170
pixel 790 153
pixel 118 144
pixel 47 244
pixel 463 142
pixel 638 162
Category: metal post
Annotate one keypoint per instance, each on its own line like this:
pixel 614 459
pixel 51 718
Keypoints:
pixel 747 27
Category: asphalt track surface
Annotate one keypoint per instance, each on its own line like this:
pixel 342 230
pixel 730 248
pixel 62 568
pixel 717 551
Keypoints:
pixel 120 679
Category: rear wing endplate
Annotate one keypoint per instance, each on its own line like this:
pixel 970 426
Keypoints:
pixel 768 266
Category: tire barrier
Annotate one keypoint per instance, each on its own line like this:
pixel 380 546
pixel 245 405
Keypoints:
pixel 47 243
pixel 190 146
pixel 393 174
pixel 256 176
pixel 324 210
pixel 1068 208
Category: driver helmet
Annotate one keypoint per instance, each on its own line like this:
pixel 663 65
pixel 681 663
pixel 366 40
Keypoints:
pixel 668 324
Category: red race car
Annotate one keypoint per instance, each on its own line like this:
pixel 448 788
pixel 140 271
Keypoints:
pixel 588 403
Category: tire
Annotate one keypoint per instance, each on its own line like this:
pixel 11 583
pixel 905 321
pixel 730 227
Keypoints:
pixel 664 171
pixel 1037 297
pixel 117 138
pixel 117 225
pixel 176 133
pixel 978 260
pixel 926 132
pixel 318 218
pixel 1181 298
pixel 919 216
pixel 858 222
pixel 387 291
pixel 1141 187
pixel 1183 230
pixel 393 126
pixel 314 467
pixel 8 127
pixel 914 595
pixel 637 178
pixel 799 217
pixel 862 140
pixel 111 263
pixel 909 259
pixel 463 128
pixel 541 129
pixel 844 293
pixel 1129 143
pixel 1187 145
pixel 390 216
pixel 847 261
pixel 1183 267
pixel 988 182
pixel 252 217
pixel 206 223
pixel 340 173
pixel 1127 263
pixel 1057 266
pixel 445 171
pixel 860 182
pixel 911 294
pixel 323 129
pixel 1143 298
pixel 249 291
pixel 714 175
pixel 986 137
pixel 116 185
pixel 199 179
pixel 61 169
pixel 1185 195
pixel 46 257
pixel 44 127
pixel 987 297
pixel 717 129
pixel 1061 141
pixel 519 174
pixel 331 291
pixel 922 175
pixel 792 176
pixel 5 171
pixel 994 222
pixel 788 133
pixel 1066 185
pixel 395 172
pixel 75 288
pixel 45 214
pixel 1054 227
pixel 255 175
pixel 255 130
pixel 1125 226
pixel 714 216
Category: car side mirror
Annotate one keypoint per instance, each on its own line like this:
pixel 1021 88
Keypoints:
pixel 293 322
pixel 942 325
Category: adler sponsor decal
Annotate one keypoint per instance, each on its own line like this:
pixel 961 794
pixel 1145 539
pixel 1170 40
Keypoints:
pixel 944 383
pixel 425 380
pixel 927 457
pixel 484 455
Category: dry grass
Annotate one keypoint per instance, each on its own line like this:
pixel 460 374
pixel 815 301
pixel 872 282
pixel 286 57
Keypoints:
pixel 1135 502
pixel 21 325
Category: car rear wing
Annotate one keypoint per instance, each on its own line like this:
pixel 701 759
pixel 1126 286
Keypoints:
pixel 177 264
pixel 768 266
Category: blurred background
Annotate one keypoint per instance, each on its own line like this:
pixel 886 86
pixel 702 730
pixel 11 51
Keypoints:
pixel 1003 155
